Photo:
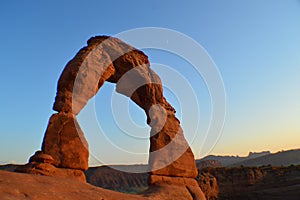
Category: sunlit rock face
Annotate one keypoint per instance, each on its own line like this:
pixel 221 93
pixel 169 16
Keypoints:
pixel 65 142
pixel 110 59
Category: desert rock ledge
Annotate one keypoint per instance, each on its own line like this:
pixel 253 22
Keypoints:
pixel 32 187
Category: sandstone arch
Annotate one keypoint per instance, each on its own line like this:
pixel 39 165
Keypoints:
pixel 110 59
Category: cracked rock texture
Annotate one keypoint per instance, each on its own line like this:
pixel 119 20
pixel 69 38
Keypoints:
pixel 65 142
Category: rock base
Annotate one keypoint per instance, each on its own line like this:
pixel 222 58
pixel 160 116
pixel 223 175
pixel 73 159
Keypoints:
pixel 159 180
pixel 42 164
pixel 189 185
pixel 47 169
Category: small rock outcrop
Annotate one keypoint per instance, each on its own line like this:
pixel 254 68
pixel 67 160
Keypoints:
pixel 171 160
pixel 42 164
pixel 264 182
pixel 209 185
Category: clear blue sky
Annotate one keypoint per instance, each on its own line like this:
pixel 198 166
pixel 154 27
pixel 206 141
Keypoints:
pixel 255 45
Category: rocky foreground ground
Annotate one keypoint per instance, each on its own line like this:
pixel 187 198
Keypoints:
pixel 15 186
pixel 265 183
pixel 222 183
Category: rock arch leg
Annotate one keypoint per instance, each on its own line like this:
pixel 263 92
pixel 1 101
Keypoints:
pixel 170 154
pixel 81 79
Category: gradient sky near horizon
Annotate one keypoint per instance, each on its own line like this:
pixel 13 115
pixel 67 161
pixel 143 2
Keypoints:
pixel 255 45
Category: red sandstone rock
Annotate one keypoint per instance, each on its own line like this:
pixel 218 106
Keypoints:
pixel 159 180
pixel 208 185
pixel 170 154
pixel 174 192
pixel 187 183
pixel 65 142
pixel 16 186
pixel 41 157
pixel 47 169
pixel 29 187
pixel 107 58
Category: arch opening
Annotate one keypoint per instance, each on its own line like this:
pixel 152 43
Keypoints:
pixel 115 128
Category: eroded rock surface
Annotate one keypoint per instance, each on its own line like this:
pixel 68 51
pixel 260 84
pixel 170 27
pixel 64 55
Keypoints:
pixel 47 169
pixel 110 59
pixel 209 185
pixel 65 142
pixel 31 187
pixel 107 58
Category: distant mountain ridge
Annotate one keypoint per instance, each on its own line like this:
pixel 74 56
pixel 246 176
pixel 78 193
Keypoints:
pixel 282 158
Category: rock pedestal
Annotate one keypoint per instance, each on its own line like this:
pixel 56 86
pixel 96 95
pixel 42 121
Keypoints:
pixel 178 183
pixel 42 164
pixel 65 142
